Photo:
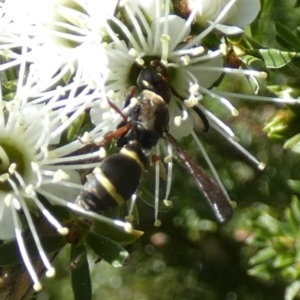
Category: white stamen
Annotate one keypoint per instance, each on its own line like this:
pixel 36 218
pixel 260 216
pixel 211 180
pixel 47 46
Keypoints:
pixel 169 161
pixel 177 121
pixel 30 190
pixel 99 141
pixel 194 88
pixel 140 61
pixel 35 236
pixel 185 60
pixel 64 119
pixel 210 164
pixel 131 207
pixel 218 124
pixel 233 140
pixel 4 177
pixel 91 215
pixel 127 226
pixel 62 230
pixel 12 168
pixel 16 204
pixel 133 52
pixel 168 158
pixel 102 152
pixel 129 218
pixel 13 186
pixel 85 138
pixel 224 101
pixel 157 223
pixel 165 39
pixel 51 272
pixel 185 114
pixel 168 203
pixel 36 283
pixel 192 101
pixel 197 51
pixel 104 104
pixel 259 98
pixel 110 94
pixel 36 169
pixel 60 175
pixel 74 158
pixel 8 199
pixel 254 73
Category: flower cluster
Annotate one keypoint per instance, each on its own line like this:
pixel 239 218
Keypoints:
pixel 69 57
pixel 34 164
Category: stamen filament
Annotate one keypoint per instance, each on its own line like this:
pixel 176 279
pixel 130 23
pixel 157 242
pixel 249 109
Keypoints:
pixel 50 218
pixel 88 214
pixel 35 236
pixel 259 98
pixel 205 32
pixel 72 158
pixel 36 283
pixel 131 206
pixel 210 164
pixel 170 169
pixel 223 100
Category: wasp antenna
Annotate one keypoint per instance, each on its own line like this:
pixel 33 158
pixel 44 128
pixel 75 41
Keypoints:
pixel 117 109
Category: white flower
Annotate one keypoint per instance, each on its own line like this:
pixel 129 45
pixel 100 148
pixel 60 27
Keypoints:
pixel 61 36
pixel 32 164
pixel 236 13
pixel 191 70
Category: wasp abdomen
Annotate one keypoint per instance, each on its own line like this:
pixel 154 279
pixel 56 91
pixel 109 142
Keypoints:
pixel 114 181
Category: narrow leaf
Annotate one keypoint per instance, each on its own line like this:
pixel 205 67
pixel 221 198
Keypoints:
pixel 80 273
pixel 107 249
pixel 275 59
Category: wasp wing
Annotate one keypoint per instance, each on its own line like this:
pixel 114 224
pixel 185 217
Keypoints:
pixel 215 197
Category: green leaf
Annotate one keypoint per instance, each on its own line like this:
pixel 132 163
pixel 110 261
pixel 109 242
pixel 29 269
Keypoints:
pixel 290 273
pixel 295 208
pixel 263 255
pixel 292 290
pixel 275 59
pixel 269 223
pixel 80 273
pixel 293 143
pixel 73 129
pixel 107 249
pixel 253 61
pixel 78 255
pixel 286 37
pixel 293 227
pixel 282 261
pixel 10 254
pixel 282 125
pixel 260 271
pixel 116 234
pixel 294 185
